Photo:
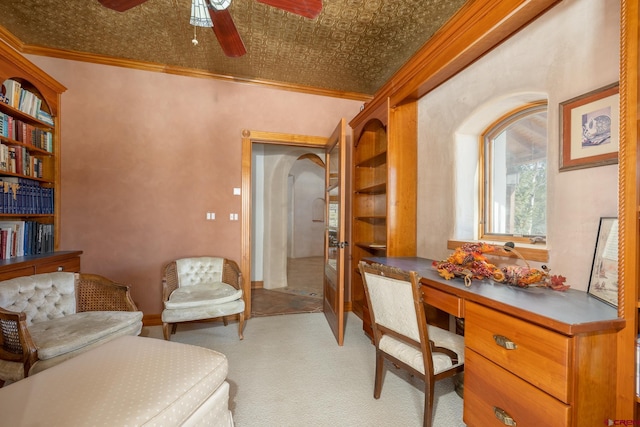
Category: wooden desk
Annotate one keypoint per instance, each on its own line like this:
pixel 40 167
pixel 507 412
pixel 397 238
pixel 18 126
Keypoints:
pixel 533 356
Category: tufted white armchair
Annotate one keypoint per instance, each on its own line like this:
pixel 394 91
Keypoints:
pixel 201 288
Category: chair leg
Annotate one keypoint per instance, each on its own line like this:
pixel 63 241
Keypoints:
pixel 428 403
pixel 241 325
pixel 377 388
pixel 165 330
pixel 174 328
pixel 225 320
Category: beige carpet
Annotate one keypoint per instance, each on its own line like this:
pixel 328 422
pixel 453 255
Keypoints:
pixel 289 371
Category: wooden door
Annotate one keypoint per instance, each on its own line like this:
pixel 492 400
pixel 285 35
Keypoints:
pixel 335 244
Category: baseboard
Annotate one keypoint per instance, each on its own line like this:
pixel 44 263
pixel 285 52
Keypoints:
pixel 259 284
pixel 151 320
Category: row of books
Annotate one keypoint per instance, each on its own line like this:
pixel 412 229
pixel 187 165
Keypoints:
pixel 26 133
pixel 22 238
pixel 19 160
pixel 20 98
pixel 43 116
pixel 25 197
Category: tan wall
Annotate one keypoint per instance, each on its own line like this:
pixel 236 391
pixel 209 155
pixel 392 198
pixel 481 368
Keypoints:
pixel 146 155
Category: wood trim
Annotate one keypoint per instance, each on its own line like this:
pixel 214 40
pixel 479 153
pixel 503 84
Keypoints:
pixel 248 138
pixel 402 178
pixel 152 320
pixel 71 55
pixel 628 200
pixel 476 29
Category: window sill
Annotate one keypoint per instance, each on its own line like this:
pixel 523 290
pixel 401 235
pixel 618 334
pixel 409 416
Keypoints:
pixel 528 251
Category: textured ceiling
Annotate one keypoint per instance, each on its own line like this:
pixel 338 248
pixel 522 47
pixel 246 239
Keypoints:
pixel 353 46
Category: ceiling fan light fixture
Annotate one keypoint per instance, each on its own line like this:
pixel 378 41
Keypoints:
pixel 219 4
pixel 199 14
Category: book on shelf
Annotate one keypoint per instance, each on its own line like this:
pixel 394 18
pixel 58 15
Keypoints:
pixel 13 94
pixel 12 90
pixel 29 103
pixel 43 116
pixel 24 196
pixel 4 157
pixel 23 238
pixel 15 237
pixel 25 133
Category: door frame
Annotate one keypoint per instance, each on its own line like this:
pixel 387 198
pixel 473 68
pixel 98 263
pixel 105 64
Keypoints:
pixel 249 137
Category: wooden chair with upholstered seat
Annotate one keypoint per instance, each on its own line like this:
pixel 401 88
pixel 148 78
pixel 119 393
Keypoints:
pixel 201 288
pixel 401 334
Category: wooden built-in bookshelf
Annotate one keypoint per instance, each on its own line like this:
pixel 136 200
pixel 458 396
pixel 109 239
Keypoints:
pixel 384 168
pixel 29 169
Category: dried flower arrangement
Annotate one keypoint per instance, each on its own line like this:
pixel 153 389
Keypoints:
pixel 469 262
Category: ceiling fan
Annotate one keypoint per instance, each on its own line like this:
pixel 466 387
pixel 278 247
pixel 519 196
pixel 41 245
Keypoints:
pixel 221 20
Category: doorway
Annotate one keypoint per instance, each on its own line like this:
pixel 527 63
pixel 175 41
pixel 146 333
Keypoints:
pixel 278 231
pixel 288 248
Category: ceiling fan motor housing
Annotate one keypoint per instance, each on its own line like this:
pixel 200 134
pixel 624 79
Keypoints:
pixel 219 4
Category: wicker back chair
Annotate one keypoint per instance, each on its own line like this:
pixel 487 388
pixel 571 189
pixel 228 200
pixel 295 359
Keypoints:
pixel 201 288
pixel 16 345
pixel 401 334
pixel 19 352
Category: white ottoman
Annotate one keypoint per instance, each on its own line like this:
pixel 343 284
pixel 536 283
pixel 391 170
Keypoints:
pixel 130 381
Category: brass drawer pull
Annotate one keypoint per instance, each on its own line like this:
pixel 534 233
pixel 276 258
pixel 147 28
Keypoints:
pixel 504 418
pixel 504 342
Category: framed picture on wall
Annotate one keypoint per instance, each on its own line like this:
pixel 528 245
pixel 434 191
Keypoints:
pixel 589 134
pixel 603 282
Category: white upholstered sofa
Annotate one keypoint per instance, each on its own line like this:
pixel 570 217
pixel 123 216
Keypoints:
pixel 129 381
pixel 51 317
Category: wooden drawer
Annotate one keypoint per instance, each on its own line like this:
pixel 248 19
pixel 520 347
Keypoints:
pixel 70 265
pixel 446 302
pixel 539 356
pixel 491 390
pixel 18 272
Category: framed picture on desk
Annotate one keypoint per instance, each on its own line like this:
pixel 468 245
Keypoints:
pixel 603 282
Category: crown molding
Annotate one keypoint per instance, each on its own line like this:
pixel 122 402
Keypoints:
pixel 28 49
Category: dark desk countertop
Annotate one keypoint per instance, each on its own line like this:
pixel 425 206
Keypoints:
pixel 569 312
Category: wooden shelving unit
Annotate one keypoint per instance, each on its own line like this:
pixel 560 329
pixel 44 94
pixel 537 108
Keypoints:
pixel 384 169
pixel 47 91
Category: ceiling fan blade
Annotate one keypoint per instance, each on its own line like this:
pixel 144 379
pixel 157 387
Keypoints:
pixel 227 33
pixel 121 5
pixel 307 8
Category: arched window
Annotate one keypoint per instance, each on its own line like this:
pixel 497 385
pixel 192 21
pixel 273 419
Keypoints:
pixel 514 184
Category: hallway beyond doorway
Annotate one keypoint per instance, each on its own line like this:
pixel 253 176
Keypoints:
pixel 302 295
